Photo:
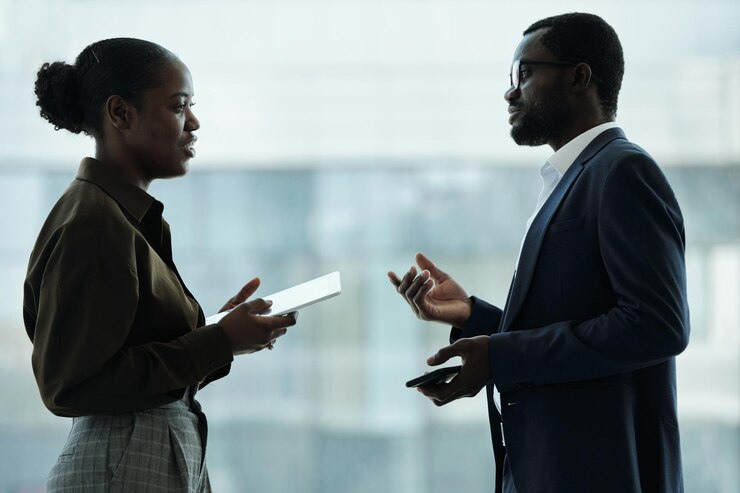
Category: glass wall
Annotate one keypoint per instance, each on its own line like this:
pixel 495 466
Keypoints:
pixel 348 136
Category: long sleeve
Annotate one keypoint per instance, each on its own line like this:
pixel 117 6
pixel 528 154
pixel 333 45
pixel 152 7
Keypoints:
pixel 484 320
pixel 87 309
pixel 114 329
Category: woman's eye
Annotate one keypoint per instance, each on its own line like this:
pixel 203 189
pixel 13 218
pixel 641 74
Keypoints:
pixel 181 107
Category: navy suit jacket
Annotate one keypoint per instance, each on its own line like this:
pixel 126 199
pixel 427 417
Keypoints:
pixel 583 352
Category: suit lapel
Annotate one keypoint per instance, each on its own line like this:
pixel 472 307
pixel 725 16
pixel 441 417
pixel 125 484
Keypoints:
pixel 536 234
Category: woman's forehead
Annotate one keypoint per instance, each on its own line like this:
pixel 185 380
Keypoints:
pixel 174 78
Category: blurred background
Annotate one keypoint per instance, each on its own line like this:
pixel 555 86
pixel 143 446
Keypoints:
pixel 348 135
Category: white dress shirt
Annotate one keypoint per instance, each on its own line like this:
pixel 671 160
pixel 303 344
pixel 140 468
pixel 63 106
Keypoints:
pixel 552 171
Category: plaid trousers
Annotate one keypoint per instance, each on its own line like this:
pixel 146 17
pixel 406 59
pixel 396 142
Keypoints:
pixel 157 450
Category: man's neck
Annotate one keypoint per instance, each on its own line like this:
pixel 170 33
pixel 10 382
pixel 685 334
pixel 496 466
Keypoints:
pixel 579 126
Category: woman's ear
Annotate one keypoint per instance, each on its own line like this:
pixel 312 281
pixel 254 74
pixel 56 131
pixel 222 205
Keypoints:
pixel 118 112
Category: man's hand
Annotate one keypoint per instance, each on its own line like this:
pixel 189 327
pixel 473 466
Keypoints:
pixel 473 376
pixel 433 294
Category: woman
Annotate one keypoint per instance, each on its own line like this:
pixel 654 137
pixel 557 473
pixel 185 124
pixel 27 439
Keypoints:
pixel 119 343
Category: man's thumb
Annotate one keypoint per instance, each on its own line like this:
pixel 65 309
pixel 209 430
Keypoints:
pixel 441 356
pixel 425 264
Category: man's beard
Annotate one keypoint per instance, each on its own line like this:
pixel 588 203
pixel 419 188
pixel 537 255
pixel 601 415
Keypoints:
pixel 540 122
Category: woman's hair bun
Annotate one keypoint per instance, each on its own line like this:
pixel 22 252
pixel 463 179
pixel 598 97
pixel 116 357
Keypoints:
pixel 57 95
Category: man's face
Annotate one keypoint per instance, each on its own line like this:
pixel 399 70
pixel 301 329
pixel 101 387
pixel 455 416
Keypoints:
pixel 538 107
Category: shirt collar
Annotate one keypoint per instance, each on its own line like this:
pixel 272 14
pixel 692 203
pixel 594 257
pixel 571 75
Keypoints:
pixel 566 155
pixel 131 198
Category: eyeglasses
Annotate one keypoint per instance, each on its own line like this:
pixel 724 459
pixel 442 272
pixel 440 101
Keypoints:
pixel 515 75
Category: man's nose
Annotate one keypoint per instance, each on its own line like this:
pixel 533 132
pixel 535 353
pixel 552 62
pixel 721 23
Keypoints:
pixel 511 94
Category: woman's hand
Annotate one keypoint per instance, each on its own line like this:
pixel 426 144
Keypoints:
pixel 433 294
pixel 247 330
pixel 240 297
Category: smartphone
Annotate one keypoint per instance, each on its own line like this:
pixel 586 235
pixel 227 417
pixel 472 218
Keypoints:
pixel 436 377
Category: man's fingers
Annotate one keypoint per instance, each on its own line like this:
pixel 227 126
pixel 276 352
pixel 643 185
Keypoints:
pixel 407 279
pixel 447 399
pixel 442 394
pixel 415 286
pixel 423 291
pixel 394 279
pixel 425 264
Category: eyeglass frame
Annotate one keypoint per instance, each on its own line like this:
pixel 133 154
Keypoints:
pixel 518 64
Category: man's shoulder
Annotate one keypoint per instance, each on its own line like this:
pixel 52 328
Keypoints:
pixel 619 152
pixel 628 147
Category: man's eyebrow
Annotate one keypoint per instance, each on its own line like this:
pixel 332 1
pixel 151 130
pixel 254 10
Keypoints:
pixel 181 95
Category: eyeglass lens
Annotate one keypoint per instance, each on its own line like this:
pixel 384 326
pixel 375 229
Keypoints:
pixel 514 75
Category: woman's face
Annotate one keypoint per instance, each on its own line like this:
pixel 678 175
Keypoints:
pixel 161 138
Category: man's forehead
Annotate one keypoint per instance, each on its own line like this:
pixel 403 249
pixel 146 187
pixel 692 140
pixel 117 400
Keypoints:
pixel 531 47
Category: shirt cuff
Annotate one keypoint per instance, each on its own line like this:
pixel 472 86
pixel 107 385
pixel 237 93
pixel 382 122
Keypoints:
pixel 209 349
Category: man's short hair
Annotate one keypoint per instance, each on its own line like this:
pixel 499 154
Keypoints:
pixel 579 37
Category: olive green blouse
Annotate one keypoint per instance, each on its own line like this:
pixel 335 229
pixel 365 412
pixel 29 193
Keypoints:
pixel 113 326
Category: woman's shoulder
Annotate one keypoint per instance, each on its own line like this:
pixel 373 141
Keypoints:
pixel 88 218
pixel 85 205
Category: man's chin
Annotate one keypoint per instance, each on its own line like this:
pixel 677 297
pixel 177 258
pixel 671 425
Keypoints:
pixel 523 137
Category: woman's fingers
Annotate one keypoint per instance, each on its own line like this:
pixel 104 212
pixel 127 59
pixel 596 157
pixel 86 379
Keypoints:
pixel 258 306
pixel 247 290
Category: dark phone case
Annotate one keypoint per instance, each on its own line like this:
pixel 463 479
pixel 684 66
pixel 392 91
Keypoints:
pixel 434 377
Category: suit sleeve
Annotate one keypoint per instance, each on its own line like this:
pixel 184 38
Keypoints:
pixel 641 240
pixel 87 305
pixel 484 320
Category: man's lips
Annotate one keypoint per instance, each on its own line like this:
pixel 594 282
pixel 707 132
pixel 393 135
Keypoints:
pixel 513 113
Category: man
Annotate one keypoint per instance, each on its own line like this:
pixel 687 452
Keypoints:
pixel 579 365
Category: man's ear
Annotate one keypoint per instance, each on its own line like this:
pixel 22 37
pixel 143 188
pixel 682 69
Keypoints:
pixel 581 77
pixel 118 112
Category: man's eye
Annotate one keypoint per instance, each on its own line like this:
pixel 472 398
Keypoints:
pixel 524 73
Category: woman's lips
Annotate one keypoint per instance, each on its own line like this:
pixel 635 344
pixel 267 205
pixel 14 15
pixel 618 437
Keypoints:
pixel 189 147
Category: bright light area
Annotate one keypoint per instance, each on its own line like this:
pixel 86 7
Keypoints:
pixel 348 135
